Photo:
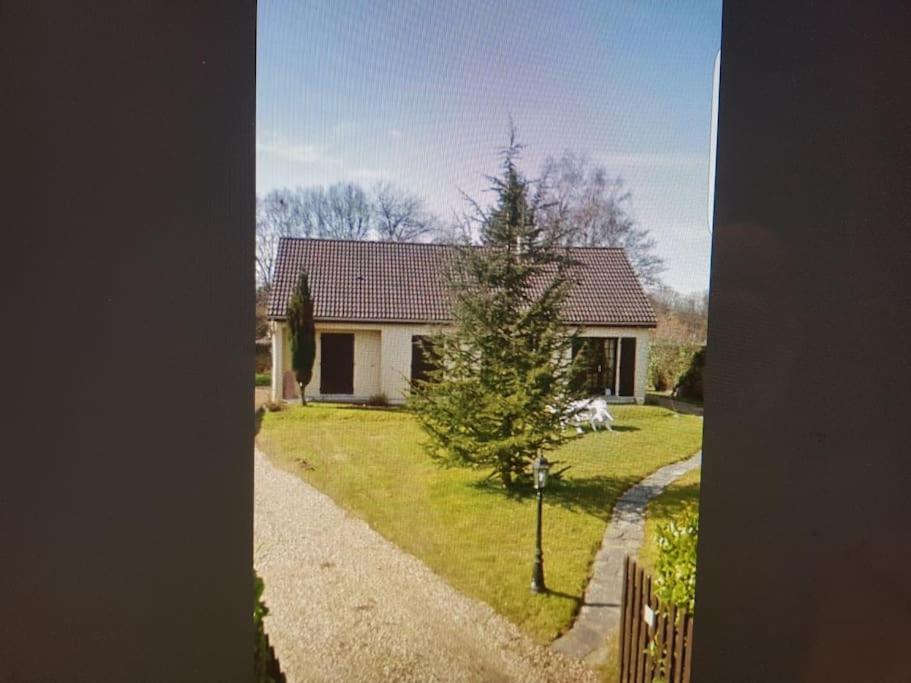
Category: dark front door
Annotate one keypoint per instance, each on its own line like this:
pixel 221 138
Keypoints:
pixel 628 366
pixel 336 364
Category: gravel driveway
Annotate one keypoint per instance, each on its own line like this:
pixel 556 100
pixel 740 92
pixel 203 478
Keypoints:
pixel 347 605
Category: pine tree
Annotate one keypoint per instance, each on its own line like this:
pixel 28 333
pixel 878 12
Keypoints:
pixel 503 380
pixel 303 334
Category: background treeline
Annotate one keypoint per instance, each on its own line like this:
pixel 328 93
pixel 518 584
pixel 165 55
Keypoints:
pixel 578 204
pixel 678 345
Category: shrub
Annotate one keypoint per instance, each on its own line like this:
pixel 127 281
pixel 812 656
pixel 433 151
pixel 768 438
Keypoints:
pixel 303 334
pixel 675 569
pixel 265 665
pixel 263 379
pixel 667 363
pixel 378 400
pixel 263 358
pixel 690 383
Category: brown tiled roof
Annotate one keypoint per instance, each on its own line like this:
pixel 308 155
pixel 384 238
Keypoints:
pixel 356 281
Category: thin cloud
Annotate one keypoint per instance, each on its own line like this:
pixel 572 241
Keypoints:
pixel 292 164
pixel 671 160
pixel 367 174
pixel 300 154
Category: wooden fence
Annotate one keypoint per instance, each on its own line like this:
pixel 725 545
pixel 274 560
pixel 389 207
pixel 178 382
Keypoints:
pixel 656 641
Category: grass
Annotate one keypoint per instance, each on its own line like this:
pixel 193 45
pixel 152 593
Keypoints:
pixel 667 394
pixel 663 508
pixel 609 671
pixel 263 379
pixel 477 536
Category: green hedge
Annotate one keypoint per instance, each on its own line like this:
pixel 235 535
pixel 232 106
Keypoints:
pixel 263 379
pixel 689 386
pixel 668 361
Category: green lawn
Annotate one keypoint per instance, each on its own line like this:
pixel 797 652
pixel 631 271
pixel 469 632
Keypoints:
pixel 475 535
pixel 663 508
pixel 667 394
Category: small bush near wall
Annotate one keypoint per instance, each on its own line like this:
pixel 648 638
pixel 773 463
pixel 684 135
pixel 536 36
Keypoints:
pixel 689 386
pixel 668 361
pixel 263 358
pixel 675 570
pixel 263 379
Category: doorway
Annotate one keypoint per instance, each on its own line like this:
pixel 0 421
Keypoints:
pixel 336 363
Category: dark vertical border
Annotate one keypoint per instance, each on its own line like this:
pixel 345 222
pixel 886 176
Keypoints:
pixel 127 213
pixel 805 563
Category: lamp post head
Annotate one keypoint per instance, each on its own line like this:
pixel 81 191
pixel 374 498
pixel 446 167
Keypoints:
pixel 540 467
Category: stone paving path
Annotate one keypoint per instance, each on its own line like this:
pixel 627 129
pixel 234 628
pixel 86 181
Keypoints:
pixel 599 617
pixel 347 605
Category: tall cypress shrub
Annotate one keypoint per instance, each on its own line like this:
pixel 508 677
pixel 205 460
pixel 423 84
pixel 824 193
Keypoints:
pixel 303 334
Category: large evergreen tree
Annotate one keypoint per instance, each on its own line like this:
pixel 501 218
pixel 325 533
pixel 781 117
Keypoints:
pixel 500 392
pixel 303 334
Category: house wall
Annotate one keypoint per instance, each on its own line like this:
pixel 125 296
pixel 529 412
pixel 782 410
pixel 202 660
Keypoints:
pixel 382 358
pixel 397 358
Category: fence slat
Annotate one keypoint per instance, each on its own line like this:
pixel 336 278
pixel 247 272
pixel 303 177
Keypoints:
pixel 624 618
pixel 643 631
pixel 660 665
pixel 650 632
pixel 681 644
pixel 672 633
pixel 632 635
pixel 630 622
pixel 688 651
pixel 635 669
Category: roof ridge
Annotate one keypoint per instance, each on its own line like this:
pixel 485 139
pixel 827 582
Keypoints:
pixel 291 238
pixel 340 240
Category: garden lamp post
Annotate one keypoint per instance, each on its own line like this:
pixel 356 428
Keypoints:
pixel 539 467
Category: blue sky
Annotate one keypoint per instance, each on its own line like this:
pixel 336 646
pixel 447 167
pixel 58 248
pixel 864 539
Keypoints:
pixel 420 94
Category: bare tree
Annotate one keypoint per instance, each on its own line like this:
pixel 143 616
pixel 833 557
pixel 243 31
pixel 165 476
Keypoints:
pixel 343 211
pixel 458 230
pixel 279 214
pixel 315 210
pixel 399 216
pixel 682 318
pixel 347 212
pixel 584 206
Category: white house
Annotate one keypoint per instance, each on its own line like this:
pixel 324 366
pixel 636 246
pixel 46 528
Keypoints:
pixel 374 301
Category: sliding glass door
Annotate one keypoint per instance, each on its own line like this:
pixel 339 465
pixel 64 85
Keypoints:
pixel 597 358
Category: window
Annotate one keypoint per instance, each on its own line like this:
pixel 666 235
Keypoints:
pixel 598 371
pixel 421 358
